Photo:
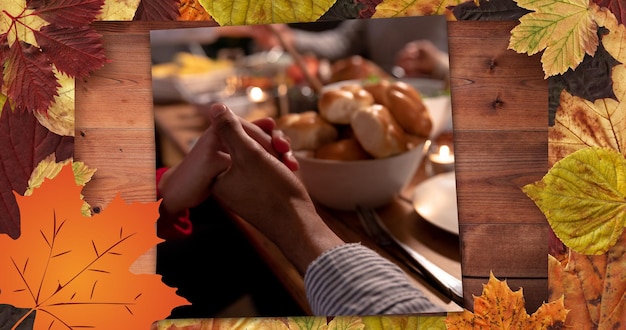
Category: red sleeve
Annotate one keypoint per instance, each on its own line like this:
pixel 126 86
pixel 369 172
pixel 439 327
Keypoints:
pixel 168 229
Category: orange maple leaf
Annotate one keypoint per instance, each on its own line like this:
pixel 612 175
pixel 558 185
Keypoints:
pixel 500 308
pixel 73 271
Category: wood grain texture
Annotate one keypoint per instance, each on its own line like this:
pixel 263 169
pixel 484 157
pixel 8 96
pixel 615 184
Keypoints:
pixel 114 125
pixel 500 118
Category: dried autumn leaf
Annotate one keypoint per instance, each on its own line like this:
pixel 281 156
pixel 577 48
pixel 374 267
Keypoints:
pixel 246 12
pixel 74 51
pixel 613 41
pixel 157 10
pixel 583 198
pixel 118 10
pixel 617 7
pixel 307 323
pixel 34 47
pixel 563 29
pixel 192 10
pixel 24 142
pixel 346 323
pixel 500 308
pixel 59 118
pixel 580 123
pixel 49 168
pixel 30 80
pixel 74 271
pixel 389 8
pixel 73 13
pixel 404 322
pixel 593 287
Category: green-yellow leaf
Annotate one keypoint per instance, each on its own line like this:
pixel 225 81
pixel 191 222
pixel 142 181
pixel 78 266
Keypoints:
pixel 580 123
pixel 346 323
pixel 400 8
pixel 563 29
pixel 307 323
pixel 583 197
pixel 48 168
pixel 417 322
pixel 59 118
pixel 250 12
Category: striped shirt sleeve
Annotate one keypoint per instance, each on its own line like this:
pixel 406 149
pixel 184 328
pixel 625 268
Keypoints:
pixel 354 280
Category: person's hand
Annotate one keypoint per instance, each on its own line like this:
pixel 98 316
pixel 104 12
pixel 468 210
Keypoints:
pixel 421 58
pixel 188 184
pixel 263 191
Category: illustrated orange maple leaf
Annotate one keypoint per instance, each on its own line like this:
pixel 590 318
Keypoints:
pixel 500 308
pixel 73 271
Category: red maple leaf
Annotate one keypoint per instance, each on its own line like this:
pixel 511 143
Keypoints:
pixel 24 142
pixel 66 12
pixel 157 10
pixel 68 43
pixel 63 45
pixel 617 7
pixel 31 81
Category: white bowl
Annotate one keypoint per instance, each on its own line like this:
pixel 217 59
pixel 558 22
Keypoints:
pixel 343 185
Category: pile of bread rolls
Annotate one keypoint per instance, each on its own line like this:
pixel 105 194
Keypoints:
pixel 360 121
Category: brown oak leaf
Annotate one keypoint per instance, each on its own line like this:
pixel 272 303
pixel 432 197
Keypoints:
pixel 500 308
pixel 73 271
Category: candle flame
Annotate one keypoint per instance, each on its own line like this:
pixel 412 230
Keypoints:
pixel 444 151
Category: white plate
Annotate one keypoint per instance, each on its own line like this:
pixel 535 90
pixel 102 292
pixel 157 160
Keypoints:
pixel 435 200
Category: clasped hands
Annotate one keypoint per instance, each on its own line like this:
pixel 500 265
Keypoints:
pixel 191 182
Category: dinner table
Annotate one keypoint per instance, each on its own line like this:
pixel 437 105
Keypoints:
pixel 179 124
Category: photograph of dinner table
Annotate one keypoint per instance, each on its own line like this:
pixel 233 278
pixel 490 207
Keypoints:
pixel 180 122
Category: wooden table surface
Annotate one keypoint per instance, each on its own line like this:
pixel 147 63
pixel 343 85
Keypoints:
pixel 500 116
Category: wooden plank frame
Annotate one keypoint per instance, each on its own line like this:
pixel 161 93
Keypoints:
pixel 500 117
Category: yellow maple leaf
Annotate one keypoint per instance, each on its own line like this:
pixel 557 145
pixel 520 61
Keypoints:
pixel 563 29
pixel 500 308
pixel 389 8
pixel 246 12
pixel 73 271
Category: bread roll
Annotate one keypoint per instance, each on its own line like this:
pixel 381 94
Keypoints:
pixel 378 90
pixel 378 132
pixel 306 130
pixel 338 105
pixel 406 105
pixel 344 149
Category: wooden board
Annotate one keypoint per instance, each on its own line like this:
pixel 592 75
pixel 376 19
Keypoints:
pixel 500 114
pixel 500 118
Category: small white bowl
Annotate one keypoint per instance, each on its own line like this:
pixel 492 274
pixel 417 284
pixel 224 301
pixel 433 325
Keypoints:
pixel 343 185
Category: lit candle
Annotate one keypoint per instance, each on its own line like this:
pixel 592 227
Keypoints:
pixel 256 94
pixel 441 161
